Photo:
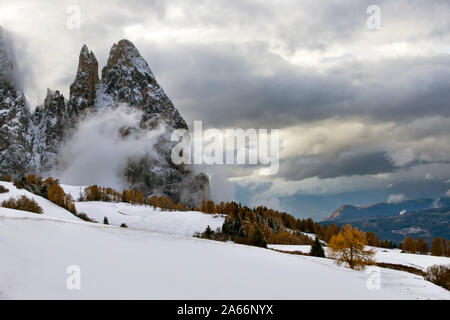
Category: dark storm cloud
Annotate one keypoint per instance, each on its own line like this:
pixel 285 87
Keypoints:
pixel 346 164
pixel 225 88
pixel 231 81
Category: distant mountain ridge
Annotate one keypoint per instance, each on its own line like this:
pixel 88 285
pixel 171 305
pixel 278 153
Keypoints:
pixel 427 218
pixel 429 224
pixel 387 209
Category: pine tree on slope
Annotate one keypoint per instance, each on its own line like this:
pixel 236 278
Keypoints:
pixel 317 249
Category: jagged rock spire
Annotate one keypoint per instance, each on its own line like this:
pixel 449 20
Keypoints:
pixel 125 54
pixel 127 78
pixel 83 89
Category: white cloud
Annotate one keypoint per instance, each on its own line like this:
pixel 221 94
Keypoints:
pixel 396 198
pixel 272 203
pixel 315 186
pixel 97 154
pixel 221 187
pixel 447 194
pixel 429 176
pixel 404 144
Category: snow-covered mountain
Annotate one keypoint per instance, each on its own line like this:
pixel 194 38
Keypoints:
pixel 384 209
pixel 31 142
pixel 427 218
pixel 15 124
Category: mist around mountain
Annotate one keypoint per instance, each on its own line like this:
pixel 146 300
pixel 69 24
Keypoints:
pixel 113 130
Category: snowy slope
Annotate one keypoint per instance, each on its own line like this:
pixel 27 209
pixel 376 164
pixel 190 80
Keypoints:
pixel 125 263
pixel 150 219
pixel 74 191
pixel 50 209
pixel 384 255
pixel 145 217
pixel 290 248
pixel 414 260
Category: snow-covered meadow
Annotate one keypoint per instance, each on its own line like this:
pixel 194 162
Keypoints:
pixel 394 256
pixel 157 258
pixel 136 217
pixel 150 219
pixel 50 209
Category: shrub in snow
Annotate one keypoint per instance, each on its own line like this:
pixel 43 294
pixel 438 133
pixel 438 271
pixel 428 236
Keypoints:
pixel 208 233
pixel 3 189
pixel 84 216
pixel 19 183
pixel 23 203
pixel 123 225
pixel 105 220
pixel 440 275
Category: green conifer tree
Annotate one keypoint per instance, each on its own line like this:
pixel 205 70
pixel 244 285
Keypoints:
pixel 317 249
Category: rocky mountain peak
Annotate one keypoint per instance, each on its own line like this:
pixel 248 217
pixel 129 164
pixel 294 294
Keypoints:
pixel 51 96
pixel 124 57
pixel 127 78
pixel 83 89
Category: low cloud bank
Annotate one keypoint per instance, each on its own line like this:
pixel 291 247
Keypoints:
pixel 98 152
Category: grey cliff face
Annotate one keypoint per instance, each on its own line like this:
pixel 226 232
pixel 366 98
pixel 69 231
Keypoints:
pixel 15 140
pixel 50 126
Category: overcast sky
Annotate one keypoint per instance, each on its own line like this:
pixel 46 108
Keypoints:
pixel 364 115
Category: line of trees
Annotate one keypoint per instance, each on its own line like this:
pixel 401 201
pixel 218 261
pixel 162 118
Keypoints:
pixel 166 203
pixel 278 227
pixel 439 246
pixel 257 226
pixel 48 189
pixel 135 197
pixel 96 193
